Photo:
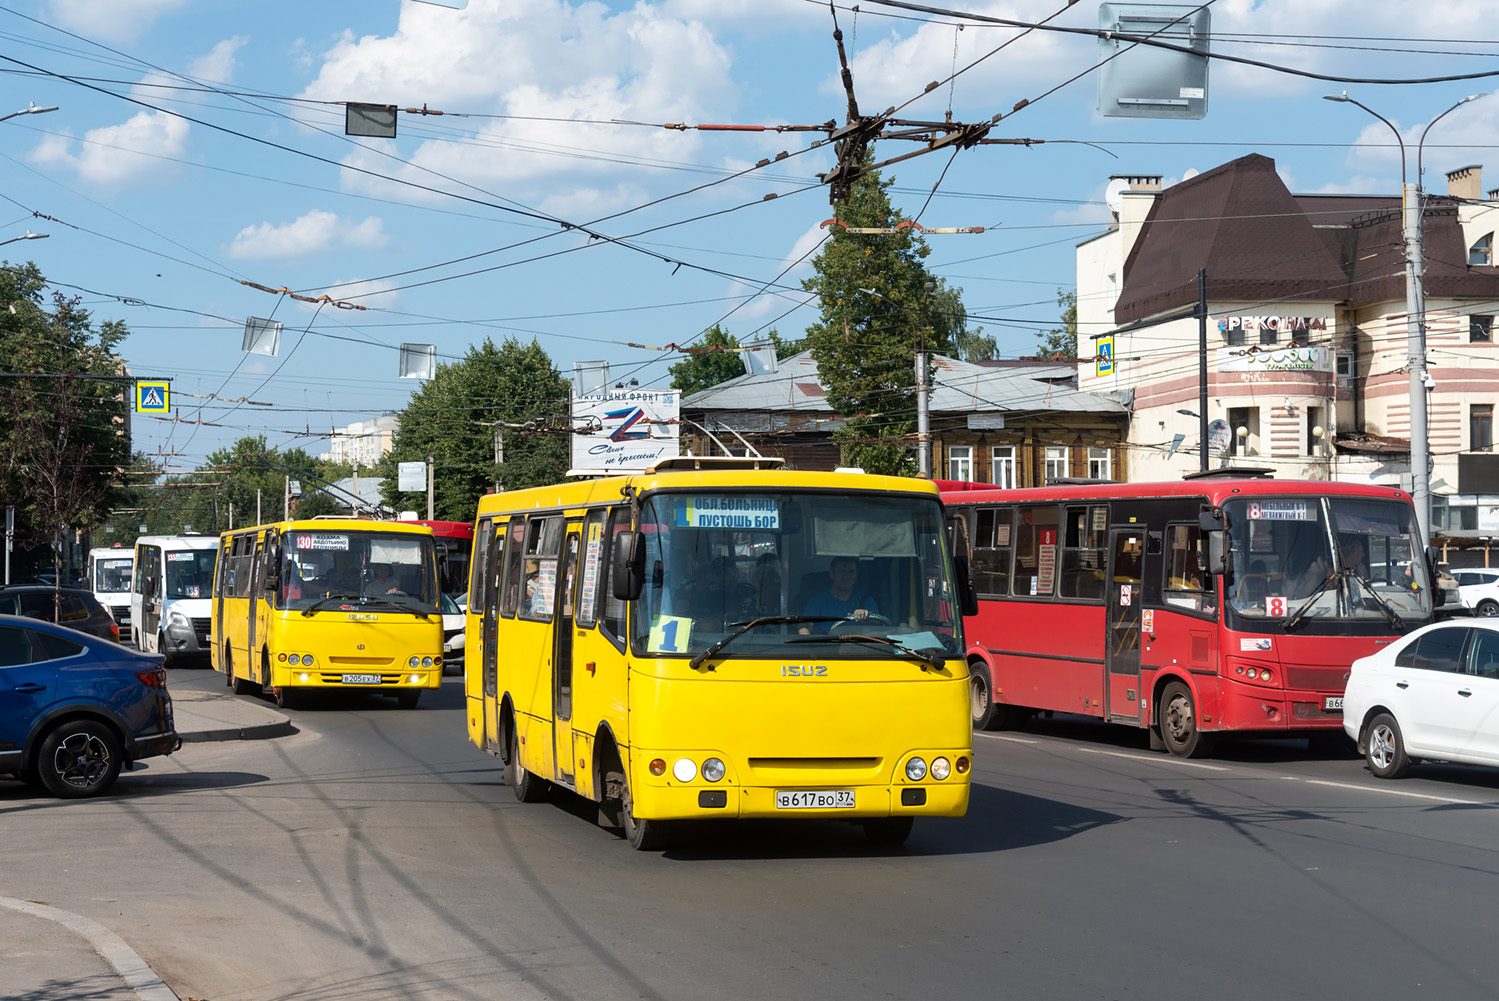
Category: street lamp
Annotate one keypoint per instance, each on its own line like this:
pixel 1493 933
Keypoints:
pixel 1415 310
pixel 33 110
pixel 29 236
pixel 923 389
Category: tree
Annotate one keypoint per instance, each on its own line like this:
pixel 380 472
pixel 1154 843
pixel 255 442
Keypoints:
pixel 453 419
pixel 63 438
pixel 718 360
pixel 1061 342
pixel 865 341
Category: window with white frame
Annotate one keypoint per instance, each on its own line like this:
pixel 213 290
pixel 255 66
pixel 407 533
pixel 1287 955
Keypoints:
pixel 1056 462
pixel 1100 463
pixel 960 462
pixel 1002 466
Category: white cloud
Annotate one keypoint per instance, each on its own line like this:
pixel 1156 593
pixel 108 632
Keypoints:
pixel 315 232
pixel 541 59
pixel 116 155
pixel 219 64
pixel 112 20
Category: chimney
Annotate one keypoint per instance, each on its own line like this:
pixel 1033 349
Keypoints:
pixel 1494 194
pixel 1139 182
pixel 1466 182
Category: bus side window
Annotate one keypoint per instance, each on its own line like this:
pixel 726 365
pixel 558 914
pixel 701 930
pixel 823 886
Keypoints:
pixel 513 565
pixel 478 582
pixel 1083 553
pixel 991 551
pixel 1035 550
pixel 594 569
pixel 612 623
pixel 538 597
pixel 1186 584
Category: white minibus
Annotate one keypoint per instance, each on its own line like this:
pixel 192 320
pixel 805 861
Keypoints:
pixel 109 573
pixel 171 599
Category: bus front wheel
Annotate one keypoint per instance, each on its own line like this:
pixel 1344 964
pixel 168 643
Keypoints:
pixel 981 703
pixel 529 787
pixel 1178 722
pixel 643 835
pixel 409 699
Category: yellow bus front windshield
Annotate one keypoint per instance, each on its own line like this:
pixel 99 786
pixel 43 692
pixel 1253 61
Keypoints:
pixel 320 567
pixel 861 577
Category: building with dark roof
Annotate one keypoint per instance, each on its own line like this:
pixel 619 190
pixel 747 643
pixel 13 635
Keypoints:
pixel 1307 330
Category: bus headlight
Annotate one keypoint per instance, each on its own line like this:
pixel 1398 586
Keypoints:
pixel 685 770
pixel 293 660
pixel 426 661
pixel 307 660
pixel 713 770
pixel 941 769
pixel 414 662
pixel 916 769
pixel 304 677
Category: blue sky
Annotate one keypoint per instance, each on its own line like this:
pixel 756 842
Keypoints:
pixel 199 144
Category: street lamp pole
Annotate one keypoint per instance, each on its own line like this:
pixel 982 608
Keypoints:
pixel 29 236
pixel 1415 313
pixel 33 110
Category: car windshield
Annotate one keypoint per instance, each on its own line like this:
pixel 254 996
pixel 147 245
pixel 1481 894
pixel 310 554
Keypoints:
pixel 190 572
pixel 112 576
pixel 398 568
pixel 448 606
pixel 868 564
pixel 1334 557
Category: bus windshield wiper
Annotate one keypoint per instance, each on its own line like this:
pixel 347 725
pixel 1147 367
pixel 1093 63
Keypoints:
pixel 925 658
pixel 1300 613
pixel 1384 606
pixel 323 601
pixel 744 627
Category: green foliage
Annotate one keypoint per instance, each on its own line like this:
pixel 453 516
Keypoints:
pixel 63 441
pixel 707 368
pixel 453 418
pixel 716 360
pixel 1061 342
pixel 865 342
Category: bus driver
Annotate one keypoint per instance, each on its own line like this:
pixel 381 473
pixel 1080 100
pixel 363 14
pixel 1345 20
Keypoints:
pixel 841 599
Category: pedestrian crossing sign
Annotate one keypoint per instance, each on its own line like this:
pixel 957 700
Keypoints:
pixel 153 397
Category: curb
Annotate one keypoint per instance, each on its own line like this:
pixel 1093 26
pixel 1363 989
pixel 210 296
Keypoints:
pixel 262 731
pixel 138 977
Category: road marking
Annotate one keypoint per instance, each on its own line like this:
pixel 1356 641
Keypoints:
pixel 1013 740
pixel 132 969
pixel 1392 792
pixel 1155 759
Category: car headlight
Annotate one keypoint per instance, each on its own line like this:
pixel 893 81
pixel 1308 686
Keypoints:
pixel 176 620
pixel 916 769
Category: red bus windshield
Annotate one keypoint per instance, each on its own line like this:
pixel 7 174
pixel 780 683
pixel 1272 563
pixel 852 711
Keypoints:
pixel 455 544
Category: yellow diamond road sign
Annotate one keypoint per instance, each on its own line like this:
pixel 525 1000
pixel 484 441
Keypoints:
pixel 153 397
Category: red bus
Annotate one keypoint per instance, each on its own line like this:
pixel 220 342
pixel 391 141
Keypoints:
pixel 1227 602
pixel 455 543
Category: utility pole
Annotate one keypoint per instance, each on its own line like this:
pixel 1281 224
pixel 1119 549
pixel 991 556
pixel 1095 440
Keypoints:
pixel 1202 366
pixel 429 488
pixel 258 519
pixel 10 535
pixel 499 457
pixel 923 398
pixel 286 499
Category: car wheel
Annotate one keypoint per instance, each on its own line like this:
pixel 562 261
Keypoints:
pixel 408 700
pixel 1487 607
pixel 79 758
pixel 1384 748
pixel 529 788
pixel 887 832
pixel 1178 722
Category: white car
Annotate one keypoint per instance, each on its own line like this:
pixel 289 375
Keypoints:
pixel 1478 590
pixel 453 622
pixel 1429 696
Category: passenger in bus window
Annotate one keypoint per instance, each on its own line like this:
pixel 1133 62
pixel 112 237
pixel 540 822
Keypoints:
pixel 1308 575
pixel 842 598
pixel 1351 553
pixel 382 581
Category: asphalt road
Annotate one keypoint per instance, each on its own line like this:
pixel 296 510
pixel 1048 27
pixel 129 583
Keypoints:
pixel 376 854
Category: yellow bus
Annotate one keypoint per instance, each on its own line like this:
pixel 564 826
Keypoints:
pixel 710 639
pixel 327 604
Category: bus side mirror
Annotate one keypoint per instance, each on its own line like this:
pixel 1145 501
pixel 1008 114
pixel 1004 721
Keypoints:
pixel 1438 596
pixel 273 578
pixel 627 576
pixel 1212 523
pixel 148 586
pixel 967 597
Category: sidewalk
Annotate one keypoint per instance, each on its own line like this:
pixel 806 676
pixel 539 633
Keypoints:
pixel 52 953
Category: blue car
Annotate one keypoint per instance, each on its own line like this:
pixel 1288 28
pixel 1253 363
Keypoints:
pixel 75 709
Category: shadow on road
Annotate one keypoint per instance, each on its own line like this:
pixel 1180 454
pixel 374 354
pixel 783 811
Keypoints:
pixel 17 796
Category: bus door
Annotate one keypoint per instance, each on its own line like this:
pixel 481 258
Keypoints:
pixel 256 626
pixel 222 587
pixel 150 624
pixel 562 674
pixel 490 556
pixel 1123 599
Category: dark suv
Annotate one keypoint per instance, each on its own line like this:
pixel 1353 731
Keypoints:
pixel 75 709
pixel 80 609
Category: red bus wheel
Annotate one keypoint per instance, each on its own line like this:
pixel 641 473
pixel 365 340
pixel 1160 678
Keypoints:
pixel 1178 721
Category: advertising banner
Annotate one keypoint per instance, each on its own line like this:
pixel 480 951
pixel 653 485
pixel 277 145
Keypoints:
pixel 627 429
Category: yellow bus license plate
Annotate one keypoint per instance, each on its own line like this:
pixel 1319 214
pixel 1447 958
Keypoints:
pixel 361 679
pixel 814 799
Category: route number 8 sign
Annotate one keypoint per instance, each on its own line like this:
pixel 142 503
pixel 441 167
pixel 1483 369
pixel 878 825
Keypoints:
pixel 1275 607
